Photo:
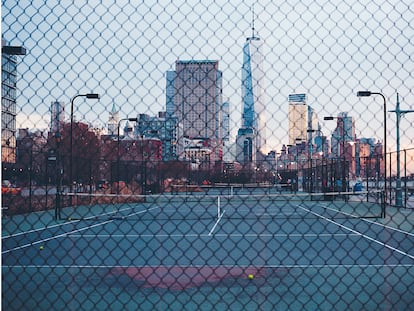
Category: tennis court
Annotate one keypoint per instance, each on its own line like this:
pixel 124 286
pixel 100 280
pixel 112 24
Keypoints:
pixel 200 251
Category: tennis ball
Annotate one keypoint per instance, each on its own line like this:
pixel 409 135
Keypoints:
pixel 41 247
pixel 250 276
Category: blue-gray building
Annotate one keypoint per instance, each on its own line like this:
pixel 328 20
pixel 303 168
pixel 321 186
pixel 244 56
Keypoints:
pixel 162 127
pixel 251 137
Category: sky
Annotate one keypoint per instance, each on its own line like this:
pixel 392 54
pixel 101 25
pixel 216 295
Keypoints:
pixel 122 49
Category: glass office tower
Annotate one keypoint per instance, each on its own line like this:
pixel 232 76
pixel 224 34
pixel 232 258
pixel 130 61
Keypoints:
pixel 253 131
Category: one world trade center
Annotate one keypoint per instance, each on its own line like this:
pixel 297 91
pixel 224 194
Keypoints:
pixel 251 139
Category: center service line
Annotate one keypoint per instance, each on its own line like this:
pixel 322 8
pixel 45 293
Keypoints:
pixel 215 225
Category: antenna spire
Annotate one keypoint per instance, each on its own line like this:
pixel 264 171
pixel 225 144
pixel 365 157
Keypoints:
pixel 253 21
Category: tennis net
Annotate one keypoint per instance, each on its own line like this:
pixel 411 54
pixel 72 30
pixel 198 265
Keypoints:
pixel 200 206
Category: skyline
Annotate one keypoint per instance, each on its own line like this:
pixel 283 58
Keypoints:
pixel 317 50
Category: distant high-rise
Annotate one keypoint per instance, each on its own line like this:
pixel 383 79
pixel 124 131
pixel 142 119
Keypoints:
pixel 158 127
pixel 113 121
pixel 170 91
pixel 313 131
pixel 228 154
pixel 169 147
pixel 343 134
pixel 251 137
pixel 298 118
pixel 8 106
pixel 57 113
pixel 197 104
pixel 226 121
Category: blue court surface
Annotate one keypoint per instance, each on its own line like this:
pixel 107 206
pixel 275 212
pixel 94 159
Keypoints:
pixel 287 255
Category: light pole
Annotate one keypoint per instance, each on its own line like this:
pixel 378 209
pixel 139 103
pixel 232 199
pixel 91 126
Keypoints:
pixel 89 96
pixel 118 141
pixel 295 178
pixel 398 190
pixel 367 94
pixel 59 173
pixel 310 156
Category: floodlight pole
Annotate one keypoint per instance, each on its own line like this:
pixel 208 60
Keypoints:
pixel 59 173
pixel 367 94
pixel 90 96
pixel 398 190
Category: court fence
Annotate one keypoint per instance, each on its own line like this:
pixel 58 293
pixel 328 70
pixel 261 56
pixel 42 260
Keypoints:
pixel 207 155
pixel 39 174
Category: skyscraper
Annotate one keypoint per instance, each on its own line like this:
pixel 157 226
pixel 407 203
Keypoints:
pixel 169 148
pixel 113 121
pixel 8 106
pixel 228 155
pixel 57 113
pixel 198 104
pixel 170 91
pixel 313 129
pixel 343 134
pixel 226 122
pixel 251 137
pixel 298 118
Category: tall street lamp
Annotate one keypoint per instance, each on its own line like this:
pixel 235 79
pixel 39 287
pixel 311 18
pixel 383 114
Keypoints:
pixel 89 96
pixel 399 113
pixel 59 173
pixel 367 94
pixel 118 137
pixel 295 178
pixel 310 132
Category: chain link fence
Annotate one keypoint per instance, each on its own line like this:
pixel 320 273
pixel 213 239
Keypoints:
pixel 207 155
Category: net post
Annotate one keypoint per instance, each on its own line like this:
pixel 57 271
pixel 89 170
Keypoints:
pixel 383 204
pixel 218 207
pixel 57 204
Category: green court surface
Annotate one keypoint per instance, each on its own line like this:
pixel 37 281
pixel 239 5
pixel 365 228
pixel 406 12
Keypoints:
pixel 210 254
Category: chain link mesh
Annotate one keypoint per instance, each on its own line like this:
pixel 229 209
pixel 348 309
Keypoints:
pixel 207 156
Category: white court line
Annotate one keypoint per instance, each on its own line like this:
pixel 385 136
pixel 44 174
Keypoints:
pixel 371 221
pixel 215 225
pixel 310 266
pixel 53 237
pixel 359 233
pixel 37 230
pixel 57 225
pixel 68 233
pixel 248 235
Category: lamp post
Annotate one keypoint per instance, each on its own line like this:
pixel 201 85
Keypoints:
pixel 398 190
pixel 295 178
pixel 367 94
pixel 310 156
pixel 89 96
pixel 59 173
pixel 118 143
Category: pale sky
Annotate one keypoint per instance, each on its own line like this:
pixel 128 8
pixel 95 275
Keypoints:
pixel 326 49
